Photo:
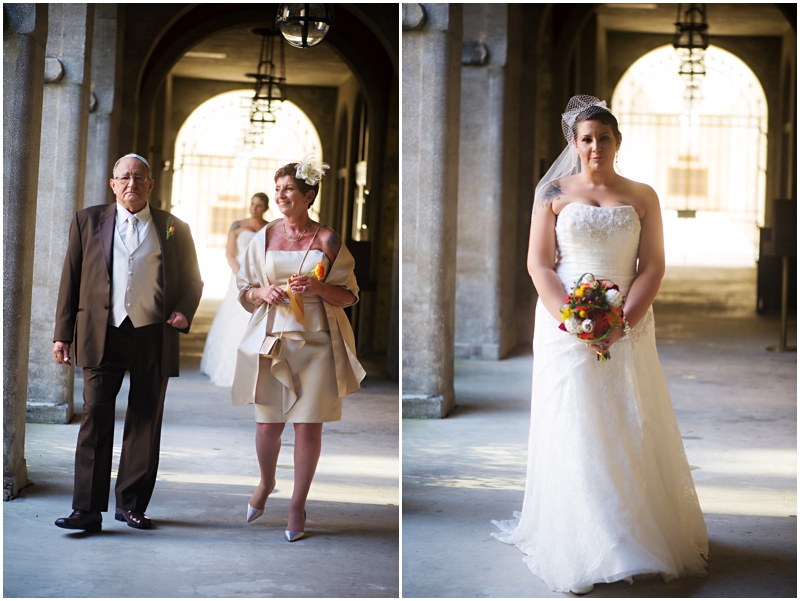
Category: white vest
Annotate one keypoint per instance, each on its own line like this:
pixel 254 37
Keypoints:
pixel 136 287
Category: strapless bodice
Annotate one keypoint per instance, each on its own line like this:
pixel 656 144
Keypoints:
pixel 242 240
pixel 280 266
pixel 603 241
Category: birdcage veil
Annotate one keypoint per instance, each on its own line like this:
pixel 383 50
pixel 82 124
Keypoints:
pixel 579 108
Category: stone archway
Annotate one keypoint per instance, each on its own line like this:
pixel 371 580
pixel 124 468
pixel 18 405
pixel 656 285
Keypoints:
pixel 361 42
pixel 708 166
pixel 216 172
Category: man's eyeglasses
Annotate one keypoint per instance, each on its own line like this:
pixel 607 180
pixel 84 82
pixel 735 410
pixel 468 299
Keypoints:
pixel 137 179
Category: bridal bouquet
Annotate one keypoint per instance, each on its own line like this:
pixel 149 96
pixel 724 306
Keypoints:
pixel 593 309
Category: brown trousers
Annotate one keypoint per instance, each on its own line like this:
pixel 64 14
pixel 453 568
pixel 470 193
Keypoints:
pixel 137 350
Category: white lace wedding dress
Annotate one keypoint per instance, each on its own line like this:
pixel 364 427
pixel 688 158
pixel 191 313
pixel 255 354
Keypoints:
pixel 227 329
pixel 608 493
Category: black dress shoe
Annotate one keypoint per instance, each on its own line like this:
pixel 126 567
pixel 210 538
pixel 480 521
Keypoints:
pixel 91 521
pixel 135 519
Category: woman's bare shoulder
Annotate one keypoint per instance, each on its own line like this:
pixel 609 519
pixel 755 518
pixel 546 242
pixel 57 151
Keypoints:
pixel 642 196
pixel 330 240
pixel 632 187
pixel 643 192
pixel 550 193
pixel 555 194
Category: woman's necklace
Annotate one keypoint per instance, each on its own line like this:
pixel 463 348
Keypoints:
pixel 290 238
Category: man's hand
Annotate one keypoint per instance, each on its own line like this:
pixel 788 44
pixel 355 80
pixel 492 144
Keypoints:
pixel 61 352
pixel 178 321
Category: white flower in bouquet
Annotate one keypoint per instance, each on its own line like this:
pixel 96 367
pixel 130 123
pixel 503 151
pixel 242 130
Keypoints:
pixel 614 298
pixel 587 326
pixel 573 326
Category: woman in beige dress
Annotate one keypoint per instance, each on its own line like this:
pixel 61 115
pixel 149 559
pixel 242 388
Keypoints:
pixel 302 384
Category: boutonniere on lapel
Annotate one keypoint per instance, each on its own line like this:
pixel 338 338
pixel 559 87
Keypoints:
pixel 170 227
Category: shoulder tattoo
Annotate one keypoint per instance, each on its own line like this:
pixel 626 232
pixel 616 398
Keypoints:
pixel 546 197
pixel 332 240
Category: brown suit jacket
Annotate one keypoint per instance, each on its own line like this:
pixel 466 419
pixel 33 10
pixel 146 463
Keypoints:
pixel 84 296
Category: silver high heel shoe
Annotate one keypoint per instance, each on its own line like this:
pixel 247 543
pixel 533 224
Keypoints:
pixel 293 536
pixel 252 512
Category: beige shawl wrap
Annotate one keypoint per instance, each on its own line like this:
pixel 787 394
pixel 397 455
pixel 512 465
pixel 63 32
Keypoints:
pixel 349 372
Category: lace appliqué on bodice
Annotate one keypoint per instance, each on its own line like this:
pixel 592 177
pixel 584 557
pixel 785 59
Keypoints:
pixel 603 223
pixel 603 241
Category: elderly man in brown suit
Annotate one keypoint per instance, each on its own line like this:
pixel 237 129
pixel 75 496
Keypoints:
pixel 130 283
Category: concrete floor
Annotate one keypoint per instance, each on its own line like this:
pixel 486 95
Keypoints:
pixel 201 545
pixel 736 406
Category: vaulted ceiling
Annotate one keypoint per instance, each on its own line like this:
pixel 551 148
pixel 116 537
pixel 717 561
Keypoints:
pixel 229 55
pixel 723 19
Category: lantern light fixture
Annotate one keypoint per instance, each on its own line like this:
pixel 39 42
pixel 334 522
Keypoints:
pixel 270 86
pixel 691 41
pixel 304 25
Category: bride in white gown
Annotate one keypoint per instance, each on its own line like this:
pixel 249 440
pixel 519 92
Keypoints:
pixel 608 493
pixel 227 329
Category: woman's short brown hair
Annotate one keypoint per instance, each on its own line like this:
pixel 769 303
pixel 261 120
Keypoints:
pixel 291 169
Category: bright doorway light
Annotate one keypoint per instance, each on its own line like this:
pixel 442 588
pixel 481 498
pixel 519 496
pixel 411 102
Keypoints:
pixel 708 167
pixel 217 173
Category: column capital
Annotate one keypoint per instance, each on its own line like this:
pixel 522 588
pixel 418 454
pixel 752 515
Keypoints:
pixel 414 17
pixel 53 70
pixel 475 54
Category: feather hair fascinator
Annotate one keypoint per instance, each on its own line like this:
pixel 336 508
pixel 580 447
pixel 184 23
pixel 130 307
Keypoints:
pixel 310 170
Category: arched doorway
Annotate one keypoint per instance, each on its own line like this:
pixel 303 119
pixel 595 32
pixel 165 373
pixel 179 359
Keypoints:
pixel 708 167
pixel 218 168
pixel 207 49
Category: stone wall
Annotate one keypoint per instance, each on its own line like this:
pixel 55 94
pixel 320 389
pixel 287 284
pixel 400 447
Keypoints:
pixel 488 181
pixel 24 51
pixel 431 72
pixel 59 195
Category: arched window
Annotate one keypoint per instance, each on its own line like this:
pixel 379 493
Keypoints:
pixel 217 172
pixel 708 167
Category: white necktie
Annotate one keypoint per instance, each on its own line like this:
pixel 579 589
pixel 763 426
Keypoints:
pixel 132 237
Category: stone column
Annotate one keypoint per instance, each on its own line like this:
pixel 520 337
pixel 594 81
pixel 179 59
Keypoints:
pixel 102 139
pixel 431 99
pixel 161 147
pixel 62 163
pixel 24 41
pixel 488 181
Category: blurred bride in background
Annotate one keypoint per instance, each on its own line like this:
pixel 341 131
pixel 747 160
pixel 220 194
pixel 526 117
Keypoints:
pixel 219 355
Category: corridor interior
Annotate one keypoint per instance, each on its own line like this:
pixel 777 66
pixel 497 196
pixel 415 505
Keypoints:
pixel 736 405
pixel 201 545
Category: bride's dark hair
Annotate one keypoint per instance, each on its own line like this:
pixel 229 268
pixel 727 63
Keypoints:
pixel 264 198
pixel 603 116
